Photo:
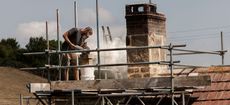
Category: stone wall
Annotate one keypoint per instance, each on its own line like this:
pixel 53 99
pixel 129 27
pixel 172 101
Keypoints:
pixel 145 27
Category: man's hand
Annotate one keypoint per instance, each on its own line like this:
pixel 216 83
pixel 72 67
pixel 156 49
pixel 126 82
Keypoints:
pixel 72 46
pixel 83 44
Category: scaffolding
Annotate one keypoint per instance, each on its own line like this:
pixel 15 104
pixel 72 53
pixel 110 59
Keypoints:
pixel 104 95
pixel 47 94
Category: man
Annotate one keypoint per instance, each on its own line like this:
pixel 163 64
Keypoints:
pixel 75 40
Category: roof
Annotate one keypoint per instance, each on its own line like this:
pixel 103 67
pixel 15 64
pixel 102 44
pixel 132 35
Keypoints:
pixel 13 82
pixel 219 91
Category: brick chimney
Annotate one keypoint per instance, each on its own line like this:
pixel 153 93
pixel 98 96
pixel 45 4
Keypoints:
pixel 145 27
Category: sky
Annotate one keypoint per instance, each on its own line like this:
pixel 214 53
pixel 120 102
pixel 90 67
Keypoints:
pixel 196 23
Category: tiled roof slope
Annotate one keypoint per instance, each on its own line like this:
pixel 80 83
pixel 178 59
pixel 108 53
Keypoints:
pixel 219 91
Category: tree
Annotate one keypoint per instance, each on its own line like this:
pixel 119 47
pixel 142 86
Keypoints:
pixel 9 53
pixel 54 57
pixel 8 48
pixel 36 44
pixel 3 52
pixel 10 42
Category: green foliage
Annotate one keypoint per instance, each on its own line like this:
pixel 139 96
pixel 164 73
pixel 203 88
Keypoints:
pixel 9 50
pixel 12 55
pixel 10 42
pixel 37 44
pixel 53 57
pixel 3 51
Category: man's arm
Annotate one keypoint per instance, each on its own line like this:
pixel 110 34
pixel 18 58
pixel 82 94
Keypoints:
pixel 85 46
pixel 72 46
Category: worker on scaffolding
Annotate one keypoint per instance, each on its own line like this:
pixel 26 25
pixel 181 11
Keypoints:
pixel 75 40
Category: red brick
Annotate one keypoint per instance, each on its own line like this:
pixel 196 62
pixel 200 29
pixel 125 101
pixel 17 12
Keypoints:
pixel 217 86
pixel 197 103
pixel 145 69
pixel 220 76
pixel 226 68
pixel 130 71
pixel 226 77
pixel 217 77
pixel 196 94
pixel 218 102
pixel 135 76
pixel 215 68
pixel 203 103
pixel 223 102
pixel 212 76
pixel 219 95
pixel 209 103
pixel 226 102
pixel 226 95
pixel 223 76
pixel 215 102
pixel 228 86
pixel 133 70
pixel 207 87
pixel 211 95
pixel 222 86
pixel 203 96
pixel 146 75
pixel 214 86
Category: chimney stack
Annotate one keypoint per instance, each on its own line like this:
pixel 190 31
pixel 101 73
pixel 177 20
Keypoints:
pixel 145 27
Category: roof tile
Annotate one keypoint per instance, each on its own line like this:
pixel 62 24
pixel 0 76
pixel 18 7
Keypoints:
pixel 219 91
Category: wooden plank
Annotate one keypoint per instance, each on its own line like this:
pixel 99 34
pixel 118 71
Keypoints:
pixel 138 83
pixel 33 87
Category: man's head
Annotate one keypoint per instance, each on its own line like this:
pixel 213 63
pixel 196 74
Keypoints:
pixel 88 31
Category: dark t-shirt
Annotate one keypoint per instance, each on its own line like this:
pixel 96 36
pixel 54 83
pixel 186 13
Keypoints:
pixel 75 37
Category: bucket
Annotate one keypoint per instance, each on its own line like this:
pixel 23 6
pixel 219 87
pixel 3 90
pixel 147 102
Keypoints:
pixel 87 73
